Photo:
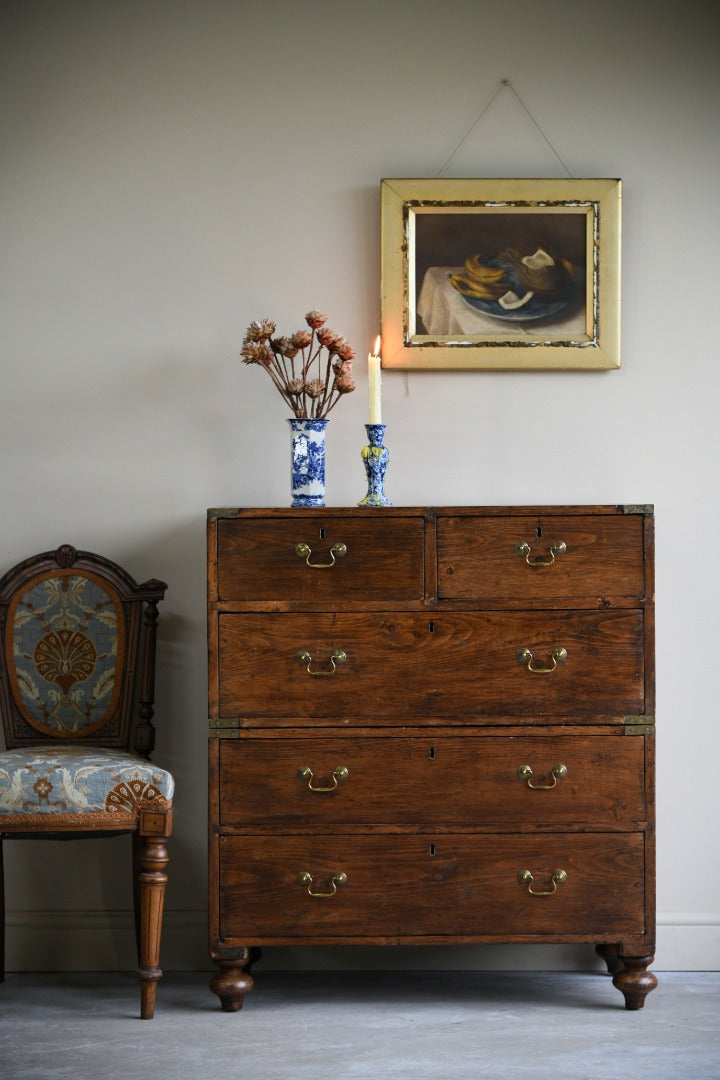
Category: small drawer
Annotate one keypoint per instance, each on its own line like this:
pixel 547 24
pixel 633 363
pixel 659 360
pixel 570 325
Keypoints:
pixel 465 666
pixel 548 557
pixel 320 559
pixel 405 887
pixel 431 779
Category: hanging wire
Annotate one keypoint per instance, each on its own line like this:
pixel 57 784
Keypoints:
pixel 504 84
pixel 472 127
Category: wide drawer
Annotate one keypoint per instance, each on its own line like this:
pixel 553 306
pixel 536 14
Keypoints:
pixel 320 559
pixel 402 887
pixel 429 780
pixel 526 558
pixel 454 664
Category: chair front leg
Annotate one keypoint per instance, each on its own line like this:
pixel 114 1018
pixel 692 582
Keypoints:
pixel 2 915
pixel 155 828
pixel 137 846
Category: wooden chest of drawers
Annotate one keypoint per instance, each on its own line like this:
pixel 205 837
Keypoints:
pixel 431 726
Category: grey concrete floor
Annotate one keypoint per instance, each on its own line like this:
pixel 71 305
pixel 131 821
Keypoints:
pixel 419 1026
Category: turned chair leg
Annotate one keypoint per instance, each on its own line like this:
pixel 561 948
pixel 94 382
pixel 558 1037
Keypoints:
pixel 152 858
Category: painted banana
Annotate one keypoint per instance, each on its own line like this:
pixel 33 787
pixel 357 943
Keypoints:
pixel 478 289
pixel 477 271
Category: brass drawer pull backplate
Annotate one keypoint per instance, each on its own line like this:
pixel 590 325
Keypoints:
pixel 559 771
pixel 304 551
pixel 305 659
pixel 559 877
pixel 558 656
pixel 558 547
pixel 306 773
pixel 306 880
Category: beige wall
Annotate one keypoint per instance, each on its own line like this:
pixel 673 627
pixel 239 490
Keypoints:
pixel 170 171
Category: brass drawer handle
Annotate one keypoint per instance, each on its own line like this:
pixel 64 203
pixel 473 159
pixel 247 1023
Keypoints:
pixel 558 547
pixel 304 658
pixel 559 877
pixel 524 772
pixel 304 551
pixel 558 656
pixel 306 773
pixel 306 879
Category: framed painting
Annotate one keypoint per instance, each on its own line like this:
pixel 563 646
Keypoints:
pixel 500 274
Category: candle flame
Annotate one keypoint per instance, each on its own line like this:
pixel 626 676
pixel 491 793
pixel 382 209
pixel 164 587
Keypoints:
pixel 376 346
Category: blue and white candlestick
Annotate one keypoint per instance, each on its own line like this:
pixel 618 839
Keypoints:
pixel 375 459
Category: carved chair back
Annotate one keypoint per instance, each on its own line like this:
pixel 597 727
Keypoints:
pixel 77 648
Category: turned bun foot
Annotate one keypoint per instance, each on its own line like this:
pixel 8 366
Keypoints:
pixel 254 954
pixel 231 984
pixel 634 981
pixel 609 954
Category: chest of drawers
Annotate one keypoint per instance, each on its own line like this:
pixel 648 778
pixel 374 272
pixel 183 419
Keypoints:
pixel 431 725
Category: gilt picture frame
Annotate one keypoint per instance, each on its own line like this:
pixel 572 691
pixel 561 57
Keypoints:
pixel 504 274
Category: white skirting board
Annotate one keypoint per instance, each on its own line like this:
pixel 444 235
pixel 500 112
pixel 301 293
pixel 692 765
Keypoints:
pixel 100 941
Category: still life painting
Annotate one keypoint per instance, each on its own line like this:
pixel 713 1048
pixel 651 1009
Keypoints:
pixel 509 274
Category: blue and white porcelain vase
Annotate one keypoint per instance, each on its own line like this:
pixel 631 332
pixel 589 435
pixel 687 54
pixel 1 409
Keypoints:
pixel 307 462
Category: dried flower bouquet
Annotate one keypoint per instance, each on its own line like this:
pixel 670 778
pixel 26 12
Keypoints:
pixel 312 368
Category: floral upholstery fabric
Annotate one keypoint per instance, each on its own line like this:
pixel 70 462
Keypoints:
pixel 77 780
pixel 67 636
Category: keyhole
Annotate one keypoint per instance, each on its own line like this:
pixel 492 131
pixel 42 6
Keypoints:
pixel 431 627
pixel 431 753
pixel 432 849
pixel 322 534
pixel 538 532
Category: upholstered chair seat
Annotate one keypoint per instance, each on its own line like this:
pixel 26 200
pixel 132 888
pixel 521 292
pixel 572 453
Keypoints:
pixel 75 784
pixel 77 676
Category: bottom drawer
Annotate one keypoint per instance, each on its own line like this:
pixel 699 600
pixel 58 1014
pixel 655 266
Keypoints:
pixel 409 887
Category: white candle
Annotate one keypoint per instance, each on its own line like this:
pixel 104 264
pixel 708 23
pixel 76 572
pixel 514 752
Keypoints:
pixel 374 381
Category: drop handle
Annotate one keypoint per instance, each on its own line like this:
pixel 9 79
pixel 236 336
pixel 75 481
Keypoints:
pixel 304 551
pixel 306 880
pixel 335 659
pixel 339 773
pixel 559 771
pixel 558 656
pixel 523 549
pixel 559 877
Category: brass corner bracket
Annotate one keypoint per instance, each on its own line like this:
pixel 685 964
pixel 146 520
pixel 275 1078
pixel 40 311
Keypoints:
pixel 639 725
pixel 638 508
pixel 224 728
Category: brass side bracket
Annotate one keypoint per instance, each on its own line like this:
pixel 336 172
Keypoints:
pixel 639 725
pixel 224 728
pixel 638 508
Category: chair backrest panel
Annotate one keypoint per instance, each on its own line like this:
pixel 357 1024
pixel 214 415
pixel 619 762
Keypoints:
pixel 70 624
pixel 65 639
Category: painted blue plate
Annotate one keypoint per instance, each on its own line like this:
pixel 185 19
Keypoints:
pixel 536 307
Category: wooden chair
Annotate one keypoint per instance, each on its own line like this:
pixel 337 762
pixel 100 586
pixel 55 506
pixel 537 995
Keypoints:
pixel 77 652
